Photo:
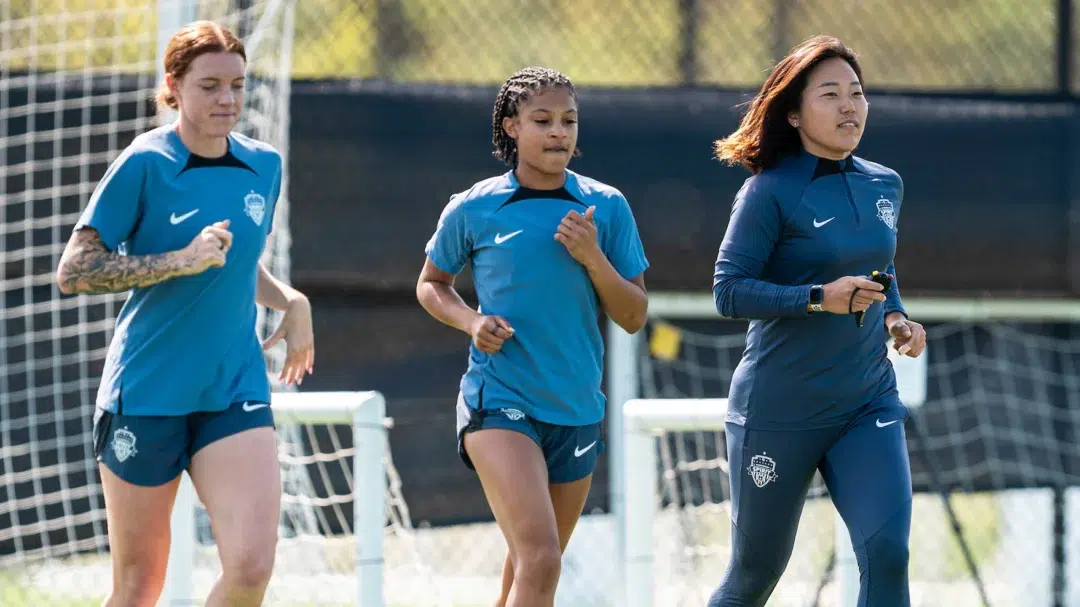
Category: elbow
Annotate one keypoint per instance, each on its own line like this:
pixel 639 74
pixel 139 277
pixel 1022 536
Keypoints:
pixel 634 322
pixel 420 290
pixel 65 281
pixel 426 294
pixel 719 300
pixel 723 298
pixel 73 263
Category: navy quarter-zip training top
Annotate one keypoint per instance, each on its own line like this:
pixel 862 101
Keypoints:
pixel 808 221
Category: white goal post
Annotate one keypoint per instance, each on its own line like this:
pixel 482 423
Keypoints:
pixel 636 422
pixel 642 418
pixel 366 413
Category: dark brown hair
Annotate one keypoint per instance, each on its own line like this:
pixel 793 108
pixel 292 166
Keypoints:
pixel 516 89
pixel 187 44
pixel 764 136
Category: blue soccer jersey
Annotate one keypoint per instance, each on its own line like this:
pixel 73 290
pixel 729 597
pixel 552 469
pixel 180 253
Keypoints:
pixel 808 221
pixel 186 344
pixel 551 369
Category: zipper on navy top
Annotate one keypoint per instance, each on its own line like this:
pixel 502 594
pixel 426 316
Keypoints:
pixel 851 199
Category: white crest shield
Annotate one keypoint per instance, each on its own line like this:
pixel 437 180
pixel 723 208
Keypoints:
pixel 123 444
pixel 886 213
pixel 762 469
pixel 255 207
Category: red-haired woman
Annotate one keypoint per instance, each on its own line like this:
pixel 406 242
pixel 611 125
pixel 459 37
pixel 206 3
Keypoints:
pixel 180 220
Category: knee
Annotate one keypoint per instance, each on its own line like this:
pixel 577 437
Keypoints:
pixel 250 567
pixel 886 556
pixel 537 565
pixel 747 582
pixel 887 550
pixel 137 581
pixel 752 573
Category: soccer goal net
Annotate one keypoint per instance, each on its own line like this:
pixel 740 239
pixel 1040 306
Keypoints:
pixel 992 437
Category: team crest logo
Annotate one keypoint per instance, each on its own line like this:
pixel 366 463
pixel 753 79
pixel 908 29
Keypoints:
pixel 513 414
pixel 255 207
pixel 123 443
pixel 885 212
pixel 762 469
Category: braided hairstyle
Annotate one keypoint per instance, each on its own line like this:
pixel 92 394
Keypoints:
pixel 515 91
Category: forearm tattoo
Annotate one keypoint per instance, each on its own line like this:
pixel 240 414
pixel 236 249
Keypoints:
pixel 87 266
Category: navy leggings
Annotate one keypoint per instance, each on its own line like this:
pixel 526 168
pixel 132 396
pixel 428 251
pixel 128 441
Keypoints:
pixel 866 470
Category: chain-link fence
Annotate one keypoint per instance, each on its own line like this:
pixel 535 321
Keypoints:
pixel 966 45
pixel 961 45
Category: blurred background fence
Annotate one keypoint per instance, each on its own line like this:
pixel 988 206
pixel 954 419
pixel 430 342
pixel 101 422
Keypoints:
pixel 971 46
pixel 999 46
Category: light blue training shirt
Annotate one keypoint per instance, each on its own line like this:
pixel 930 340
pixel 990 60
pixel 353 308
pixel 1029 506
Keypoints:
pixel 186 344
pixel 551 369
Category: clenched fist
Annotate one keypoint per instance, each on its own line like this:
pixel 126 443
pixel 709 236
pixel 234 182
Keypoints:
pixel 577 233
pixel 838 295
pixel 209 248
pixel 489 333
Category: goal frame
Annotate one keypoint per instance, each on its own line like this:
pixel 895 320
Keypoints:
pixel 642 418
pixel 366 413
pixel 633 421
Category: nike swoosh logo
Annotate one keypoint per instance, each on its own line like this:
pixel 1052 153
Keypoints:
pixel 499 238
pixel 818 224
pixel 254 406
pixel 578 451
pixel 882 425
pixel 175 219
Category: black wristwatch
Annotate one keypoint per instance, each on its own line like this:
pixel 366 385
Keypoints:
pixel 817 296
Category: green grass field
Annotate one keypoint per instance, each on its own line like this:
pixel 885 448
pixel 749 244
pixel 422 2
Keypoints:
pixel 468 575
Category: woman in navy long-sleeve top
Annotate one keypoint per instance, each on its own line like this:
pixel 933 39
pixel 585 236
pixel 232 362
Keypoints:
pixel 815 389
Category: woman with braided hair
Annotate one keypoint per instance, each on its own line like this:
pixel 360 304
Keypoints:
pixel 548 249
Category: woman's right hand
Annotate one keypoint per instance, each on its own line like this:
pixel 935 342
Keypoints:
pixel 209 248
pixel 489 333
pixel 838 294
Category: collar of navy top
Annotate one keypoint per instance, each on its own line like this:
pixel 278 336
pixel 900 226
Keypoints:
pixel 524 193
pixel 827 166
pixel 229 160
pixel 569 191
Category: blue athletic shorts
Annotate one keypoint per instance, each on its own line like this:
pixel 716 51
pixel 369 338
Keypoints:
pixel 571 452
pixel 151 450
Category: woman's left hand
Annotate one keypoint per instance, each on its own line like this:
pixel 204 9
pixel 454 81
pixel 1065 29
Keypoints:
pixel 577 233
pixel 909 337
pixel 299 336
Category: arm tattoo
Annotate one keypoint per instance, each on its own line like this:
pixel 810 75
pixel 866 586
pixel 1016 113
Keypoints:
pixel 86 266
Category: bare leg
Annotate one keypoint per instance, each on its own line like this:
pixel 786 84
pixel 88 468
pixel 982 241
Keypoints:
pixel 139 534
pixel 239 482
pixel 514 476
pixel 568 500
